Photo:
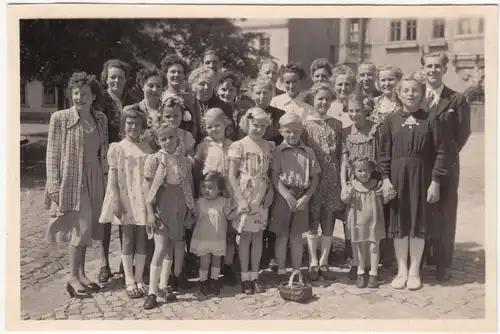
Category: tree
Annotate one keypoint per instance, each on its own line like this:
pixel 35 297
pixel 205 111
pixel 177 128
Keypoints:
pixel 50 50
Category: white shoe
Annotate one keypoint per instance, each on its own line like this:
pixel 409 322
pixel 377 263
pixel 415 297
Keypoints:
pixel 414 282
pixel 399 282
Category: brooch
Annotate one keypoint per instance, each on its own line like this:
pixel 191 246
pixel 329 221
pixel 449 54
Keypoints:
pixel 410 122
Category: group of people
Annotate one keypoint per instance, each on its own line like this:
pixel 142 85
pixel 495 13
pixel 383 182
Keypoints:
pixel 197 172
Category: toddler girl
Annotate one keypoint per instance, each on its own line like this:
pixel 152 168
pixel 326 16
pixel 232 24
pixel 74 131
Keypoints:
pixel 249 179
pixel 212 156
pixel 168 181
pixel 292 76
pixel 385 104
pixel 124 203
pixel 209 236
pixel 365 217
pixel 361 139
pixel 295 173
pixel 325 136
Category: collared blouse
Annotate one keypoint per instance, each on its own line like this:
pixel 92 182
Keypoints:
pixel 64 158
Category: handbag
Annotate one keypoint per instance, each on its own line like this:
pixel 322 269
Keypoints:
pixel 295 291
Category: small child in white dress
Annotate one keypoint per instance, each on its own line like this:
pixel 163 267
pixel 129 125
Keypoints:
pixel 125 203
pixel 212 211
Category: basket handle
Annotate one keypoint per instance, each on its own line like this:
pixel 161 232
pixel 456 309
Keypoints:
pixel 295 273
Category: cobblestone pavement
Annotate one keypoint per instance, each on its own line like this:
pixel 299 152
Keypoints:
pixel 43 271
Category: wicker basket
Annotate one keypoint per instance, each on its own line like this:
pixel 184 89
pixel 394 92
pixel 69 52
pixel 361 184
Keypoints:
pixel 295 291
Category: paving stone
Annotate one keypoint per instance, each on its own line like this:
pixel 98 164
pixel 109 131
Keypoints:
pixel 75 317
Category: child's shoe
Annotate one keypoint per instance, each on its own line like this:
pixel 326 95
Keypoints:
pixel 361 281
pixel 204 287
pixel 258 287
pixel 246 287
pixel 150 302
pixel 373 282
pixel 353 273
pixel 215 287
pixel 168 294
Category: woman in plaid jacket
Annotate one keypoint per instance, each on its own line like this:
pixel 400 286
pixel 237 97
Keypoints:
pixel 76 172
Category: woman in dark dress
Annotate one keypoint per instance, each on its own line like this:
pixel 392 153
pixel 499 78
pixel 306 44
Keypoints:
pixel 412 158
pixel 114 78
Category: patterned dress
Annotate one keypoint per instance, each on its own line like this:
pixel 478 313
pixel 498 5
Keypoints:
pixel 383 107
pixel 127 159
pixel 326 138
pixel 254 159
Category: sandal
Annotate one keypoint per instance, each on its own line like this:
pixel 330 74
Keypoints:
pixel 104 274
pixel 314 273
pixel 133 292
pixel 143 288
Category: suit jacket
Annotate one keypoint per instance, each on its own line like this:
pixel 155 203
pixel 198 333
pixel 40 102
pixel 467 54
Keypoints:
pixel 453 112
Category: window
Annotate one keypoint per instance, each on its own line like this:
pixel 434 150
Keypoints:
pixel 23 94
pixel 438 28
pixel 464 27
pixel 395 31
pixel 411 30
pixel 480 27
pixel 265 44
pixel 354 31
pixel 49 95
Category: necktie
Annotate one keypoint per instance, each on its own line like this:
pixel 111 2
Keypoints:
pixel 430 100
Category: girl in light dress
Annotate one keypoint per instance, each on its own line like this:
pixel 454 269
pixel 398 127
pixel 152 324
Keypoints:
pixel 124 203
pixel 361 139
pixel 365 216
pixel 212 156
pixel 292 76
pixel 385 104
pixel 325 136
pixel 169 187
pixel 250 180
pixel 212 212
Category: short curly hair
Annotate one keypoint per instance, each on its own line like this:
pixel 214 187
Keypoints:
pixel 343 70
pixel 359 159
pixel 367 103
pixel 309 97
pixel 199 72
pixel 321 63
pixel 398 73
pixel 261 81
pixel 173 59
pixel 80 79
pixel 293 68
pixel 133 111
pixel 144 74
pixel 125 67
pixel 414 77
pixel 230 77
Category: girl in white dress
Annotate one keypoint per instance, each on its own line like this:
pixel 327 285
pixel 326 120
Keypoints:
pixel 124 203
pixel 212 212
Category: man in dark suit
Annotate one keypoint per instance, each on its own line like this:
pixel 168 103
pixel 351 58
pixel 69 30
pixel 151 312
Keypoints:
pixel 453 112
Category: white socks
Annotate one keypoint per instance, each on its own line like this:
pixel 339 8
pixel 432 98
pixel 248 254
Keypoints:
pixel 401 250
pixel 166 269
pixel 128 268
pixel 245 277
pixel 203 275
pixel 326 244
pixel 416 250
pixel 312 246
pixel 154 274
pixel 140 262
pixel 254 276
pixel 215 273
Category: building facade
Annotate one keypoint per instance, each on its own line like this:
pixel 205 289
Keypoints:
pixel 38 98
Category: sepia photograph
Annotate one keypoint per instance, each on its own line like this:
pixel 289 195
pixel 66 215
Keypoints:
pixel 253 167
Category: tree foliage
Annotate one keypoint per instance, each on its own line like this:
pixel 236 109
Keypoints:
pixel 51 49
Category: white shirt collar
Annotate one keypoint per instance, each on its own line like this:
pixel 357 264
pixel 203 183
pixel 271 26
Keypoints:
pixel 437 92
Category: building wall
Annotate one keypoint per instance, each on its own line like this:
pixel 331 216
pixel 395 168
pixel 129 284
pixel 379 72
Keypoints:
pixel 311 39
pixel 276 30
pixel 406 54
pixel 34 99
